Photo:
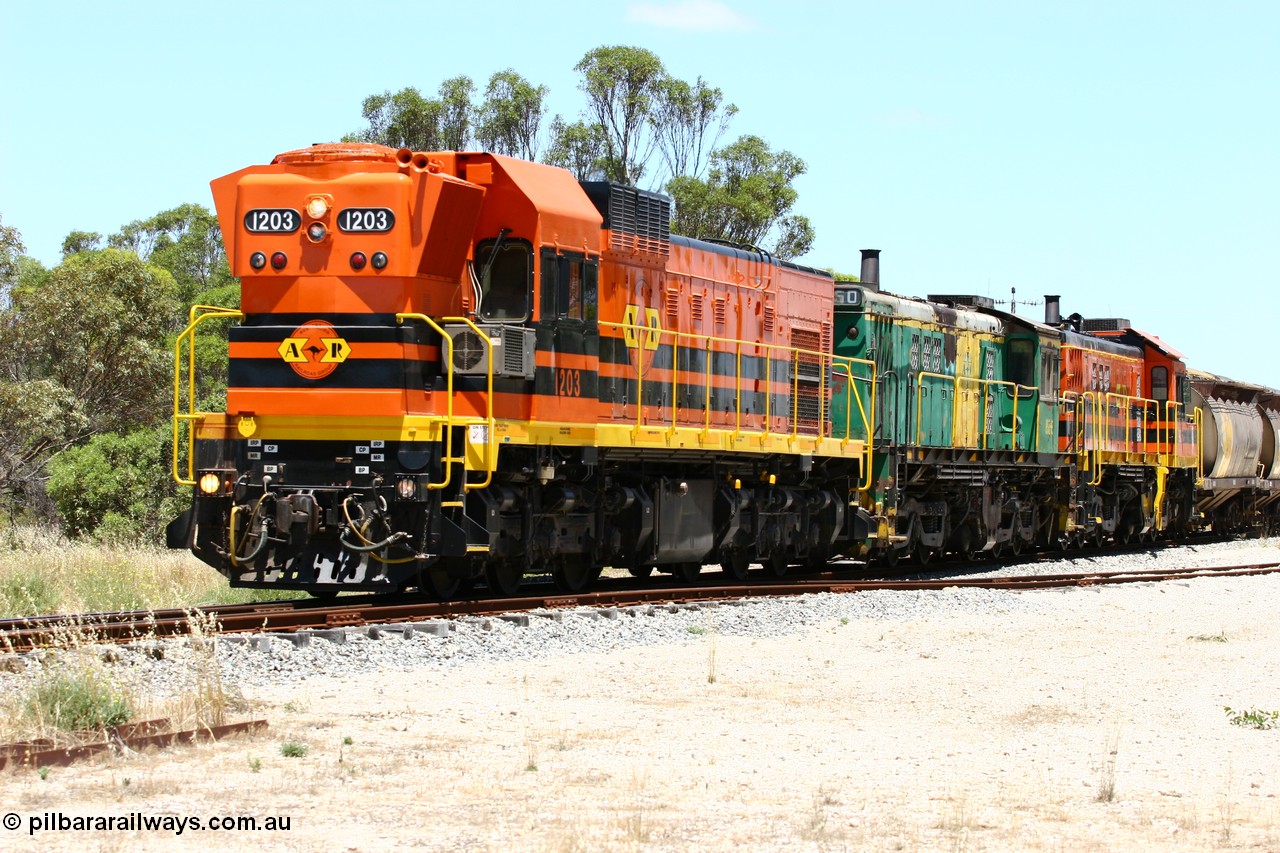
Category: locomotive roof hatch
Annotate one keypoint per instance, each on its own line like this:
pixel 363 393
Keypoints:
pixel 1134 337
pixel 963 299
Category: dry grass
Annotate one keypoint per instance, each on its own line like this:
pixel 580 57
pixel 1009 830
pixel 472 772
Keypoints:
pixel 79 690
pixel 42 571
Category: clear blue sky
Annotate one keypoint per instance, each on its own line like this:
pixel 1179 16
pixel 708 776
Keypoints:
pixel 1125 155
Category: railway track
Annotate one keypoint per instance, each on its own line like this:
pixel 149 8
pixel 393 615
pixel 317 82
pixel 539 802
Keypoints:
pixel 26 634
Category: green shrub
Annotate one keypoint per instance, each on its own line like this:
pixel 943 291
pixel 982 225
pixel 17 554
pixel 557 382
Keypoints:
pixel 1253 718
pixel 293 749
pixel 76 699
pixel 117 488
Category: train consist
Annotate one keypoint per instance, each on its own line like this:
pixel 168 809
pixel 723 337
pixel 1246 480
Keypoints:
pixel 450 368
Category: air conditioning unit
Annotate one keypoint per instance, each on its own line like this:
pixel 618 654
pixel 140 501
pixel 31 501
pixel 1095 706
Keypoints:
pixel 513 348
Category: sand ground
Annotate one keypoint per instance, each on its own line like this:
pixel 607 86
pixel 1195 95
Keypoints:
pixel 1094 723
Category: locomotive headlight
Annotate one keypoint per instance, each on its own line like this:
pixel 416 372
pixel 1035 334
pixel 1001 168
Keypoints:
pixel 317 206
pixel 407 488
pixel 316 232
pixel 210 483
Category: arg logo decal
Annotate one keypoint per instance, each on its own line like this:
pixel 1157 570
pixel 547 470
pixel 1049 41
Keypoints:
pixel 315 349
pixel 648 335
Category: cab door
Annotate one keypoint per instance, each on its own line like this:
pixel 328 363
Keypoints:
pixel 569 335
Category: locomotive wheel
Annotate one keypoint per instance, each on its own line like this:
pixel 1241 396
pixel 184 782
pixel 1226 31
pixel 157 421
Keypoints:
pixel 686 572
pixel 923 554
pixel 777 563
pixel 891 557
pixel 574 574
pixel 504 578
pixel 440 584
pixel 817 559
pixel 640 571
pixel 1128 533
pixel 965 549
pixel 735 564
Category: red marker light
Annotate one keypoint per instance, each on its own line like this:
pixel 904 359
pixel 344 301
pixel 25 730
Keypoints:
pixel 379 260
pixel 358 260
pixel 278 260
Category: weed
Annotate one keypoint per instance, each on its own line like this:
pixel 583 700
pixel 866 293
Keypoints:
pixel 347 741
pixel 255 764
pixel 78 697
pixel 637 828
pixel 531 750
pixel 696 629
pixel 1107 775
pixel 27 594
pixel 1253 718
pixel 293 749
pixel 42 772
pixel 1220 637
pixel 815 828
pixel 206 701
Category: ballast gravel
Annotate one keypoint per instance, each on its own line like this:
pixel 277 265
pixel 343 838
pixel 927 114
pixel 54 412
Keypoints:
pixel 269 659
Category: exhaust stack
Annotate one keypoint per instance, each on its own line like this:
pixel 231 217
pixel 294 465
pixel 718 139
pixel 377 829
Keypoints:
pixel 869 276
pixel 1052 314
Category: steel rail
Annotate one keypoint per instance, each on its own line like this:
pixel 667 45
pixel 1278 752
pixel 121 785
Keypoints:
pixel 18 635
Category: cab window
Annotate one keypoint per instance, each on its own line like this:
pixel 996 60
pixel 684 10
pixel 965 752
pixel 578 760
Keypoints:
pixel 1160 384
pixel 570 284
pixel 505 271
pixel 1020 367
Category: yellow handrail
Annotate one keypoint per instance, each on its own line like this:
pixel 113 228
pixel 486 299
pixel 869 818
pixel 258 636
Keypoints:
pixel 1127 404
pixel 643 335
pixel 450 421
pixel 986 384
pixel 194 319
pixel 1199 422
pixel 868 447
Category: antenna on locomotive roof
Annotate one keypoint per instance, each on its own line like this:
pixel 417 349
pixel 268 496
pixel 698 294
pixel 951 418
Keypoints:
pixel 1013 301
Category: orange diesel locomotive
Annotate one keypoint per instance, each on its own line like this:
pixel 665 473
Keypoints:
pixel 455 366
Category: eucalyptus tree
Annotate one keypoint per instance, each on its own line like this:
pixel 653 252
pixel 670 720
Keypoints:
pixel 510 117
pixel 578 147
pixel 622 85
pixel 689 120
pixel 408 119
pixel 746 197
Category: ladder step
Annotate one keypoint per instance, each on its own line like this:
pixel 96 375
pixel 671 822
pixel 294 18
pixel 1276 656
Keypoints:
pixel 477 549
pixel 451 503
